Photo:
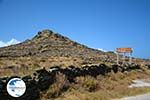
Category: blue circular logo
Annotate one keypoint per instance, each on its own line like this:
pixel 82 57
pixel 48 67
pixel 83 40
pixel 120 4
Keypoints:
pixel 16 87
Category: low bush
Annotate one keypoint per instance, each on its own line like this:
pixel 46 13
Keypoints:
pixel 88 83
pixel 61 84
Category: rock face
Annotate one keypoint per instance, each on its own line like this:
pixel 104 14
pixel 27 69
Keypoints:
pixel 47 43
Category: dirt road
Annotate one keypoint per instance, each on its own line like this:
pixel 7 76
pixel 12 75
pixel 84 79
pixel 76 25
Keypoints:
pixel 138 97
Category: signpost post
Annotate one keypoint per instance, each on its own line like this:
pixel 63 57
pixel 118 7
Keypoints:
pixel 124 51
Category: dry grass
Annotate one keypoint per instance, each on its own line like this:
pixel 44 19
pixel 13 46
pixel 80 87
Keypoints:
pixel 87 83
pixel 27 65
pixel 87 88
pixel 109 87
pixel 57 88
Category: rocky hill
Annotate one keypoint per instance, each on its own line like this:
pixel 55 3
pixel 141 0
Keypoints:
pixel 49 49
pixel 48 43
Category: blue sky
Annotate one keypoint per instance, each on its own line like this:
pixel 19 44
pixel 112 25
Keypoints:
pixel 105 24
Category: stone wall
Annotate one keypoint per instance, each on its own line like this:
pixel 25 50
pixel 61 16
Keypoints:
pixel 41 79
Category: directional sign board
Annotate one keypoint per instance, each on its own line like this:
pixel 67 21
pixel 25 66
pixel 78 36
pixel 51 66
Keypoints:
pixel 124 50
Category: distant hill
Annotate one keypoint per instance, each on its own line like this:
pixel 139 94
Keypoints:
pixel 49 44
pixel 48 48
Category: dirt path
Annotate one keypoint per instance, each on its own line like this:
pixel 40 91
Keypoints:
pixel 138 97
pixel 138 84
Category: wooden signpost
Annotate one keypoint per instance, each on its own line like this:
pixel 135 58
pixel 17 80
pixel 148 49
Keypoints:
pixel 124 52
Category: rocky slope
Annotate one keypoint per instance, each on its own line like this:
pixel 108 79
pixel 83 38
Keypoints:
pixel 48 43
pixel 49 49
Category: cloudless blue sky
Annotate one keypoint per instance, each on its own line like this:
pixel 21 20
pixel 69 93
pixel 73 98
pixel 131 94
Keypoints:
pixel 105 24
